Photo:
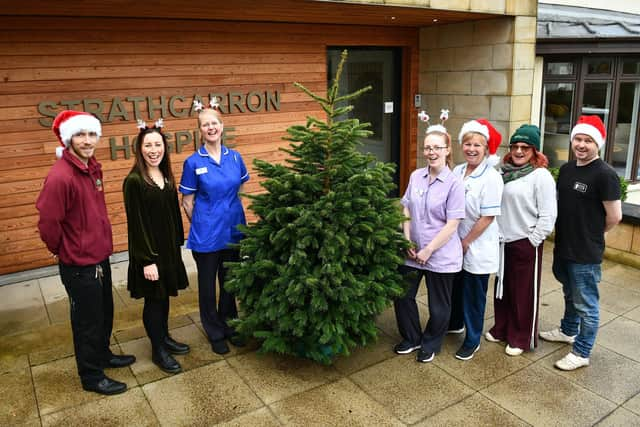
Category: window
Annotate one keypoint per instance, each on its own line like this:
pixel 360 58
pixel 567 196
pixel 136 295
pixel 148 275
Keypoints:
pixel 607 86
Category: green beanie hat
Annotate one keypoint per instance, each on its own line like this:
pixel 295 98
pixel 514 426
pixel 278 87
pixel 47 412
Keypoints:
pixel 529 134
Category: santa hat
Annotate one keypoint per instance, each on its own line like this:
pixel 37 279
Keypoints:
pixel 68 122
pixel 486 129
pixel 591 126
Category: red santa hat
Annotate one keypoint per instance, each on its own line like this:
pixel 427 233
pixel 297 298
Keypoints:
pixel 591 126
pixel 486 129
pixel 68 122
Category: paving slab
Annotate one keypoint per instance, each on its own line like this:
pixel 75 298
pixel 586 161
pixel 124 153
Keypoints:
pixel 411 390
pixel 617 300
pixel 58 386
pixel 338 403
pixel 130 408
pixel 620 418
pixel 54 353
pixel 363 357
pixel 623 276
pixel 621 335
pixel 274 377
pixel 55 298
pixel 609 374
pixel 633 404
pixel 22 308
pixel 544 398
pixel 262 417
pixel 476 410
pixel 204 396
pixel 489 364
pixel 633 314
pixel 11 363
pixel 18 403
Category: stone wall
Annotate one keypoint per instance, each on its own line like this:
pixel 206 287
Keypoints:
pixel 479 69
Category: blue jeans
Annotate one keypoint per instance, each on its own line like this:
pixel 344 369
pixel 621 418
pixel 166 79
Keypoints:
pixel 581 307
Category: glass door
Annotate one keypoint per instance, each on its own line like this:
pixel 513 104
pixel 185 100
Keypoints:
pixel 380 68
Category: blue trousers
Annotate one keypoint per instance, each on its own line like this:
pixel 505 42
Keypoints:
pixel 468 302
pixel 581 302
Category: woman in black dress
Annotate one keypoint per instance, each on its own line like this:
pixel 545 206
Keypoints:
pixel 155 235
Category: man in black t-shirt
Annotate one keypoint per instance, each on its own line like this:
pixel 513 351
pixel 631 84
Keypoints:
pixel 588 206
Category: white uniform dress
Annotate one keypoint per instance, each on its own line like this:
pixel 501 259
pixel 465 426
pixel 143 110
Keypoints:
pixel 483 197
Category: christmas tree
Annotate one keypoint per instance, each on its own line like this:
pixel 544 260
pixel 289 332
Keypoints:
pixel 321 261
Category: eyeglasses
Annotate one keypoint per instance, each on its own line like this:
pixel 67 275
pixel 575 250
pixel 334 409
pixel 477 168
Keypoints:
pixel 429 148
pixel 524 148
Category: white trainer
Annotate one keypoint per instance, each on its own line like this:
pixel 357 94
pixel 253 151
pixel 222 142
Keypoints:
pixel 556 335
pixel 513 351
pixel 490 338
pixel 571 362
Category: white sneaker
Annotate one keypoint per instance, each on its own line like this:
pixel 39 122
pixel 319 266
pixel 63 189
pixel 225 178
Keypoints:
pixel 556 335
pixel 490 338
pixel 513 351
pixel 572 362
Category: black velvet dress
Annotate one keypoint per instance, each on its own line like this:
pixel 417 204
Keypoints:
pixel 155 236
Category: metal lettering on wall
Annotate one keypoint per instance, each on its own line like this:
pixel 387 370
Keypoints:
pixel 133 108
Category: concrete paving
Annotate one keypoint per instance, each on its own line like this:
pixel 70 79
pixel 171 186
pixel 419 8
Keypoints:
pixel 373 387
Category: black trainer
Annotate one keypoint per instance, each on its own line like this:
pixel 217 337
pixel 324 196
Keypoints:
pixel 219 347
pixel 405 347
pixel 424 356
pixel 465 353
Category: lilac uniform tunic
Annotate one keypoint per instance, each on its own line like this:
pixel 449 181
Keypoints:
pixel 430 206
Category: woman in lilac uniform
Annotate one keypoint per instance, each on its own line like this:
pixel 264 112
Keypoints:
pixel 434 200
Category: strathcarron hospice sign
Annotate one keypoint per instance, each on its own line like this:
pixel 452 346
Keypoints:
pixel 151 108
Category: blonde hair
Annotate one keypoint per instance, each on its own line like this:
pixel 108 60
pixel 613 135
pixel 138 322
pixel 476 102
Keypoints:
pixel 209 110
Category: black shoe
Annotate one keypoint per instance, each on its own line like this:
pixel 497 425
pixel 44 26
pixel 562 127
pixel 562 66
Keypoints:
pixel 425 357
pixel 219 347
pixel 106 386
pixel 405 347
pixel 455 331
pixel 119 361
pixel 465 353
pixel 237 340
pixel 165 361
pixel 175 347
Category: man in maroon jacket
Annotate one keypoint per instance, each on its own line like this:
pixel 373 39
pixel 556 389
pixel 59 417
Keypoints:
pixel 75 227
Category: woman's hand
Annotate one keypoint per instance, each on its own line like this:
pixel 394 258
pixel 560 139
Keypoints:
pixel 411 253
pixel 423 255
pixel 151 272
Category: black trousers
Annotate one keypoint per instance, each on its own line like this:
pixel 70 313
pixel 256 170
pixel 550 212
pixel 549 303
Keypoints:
pixel 155 316
pixel 439 288
pixel 214 319
pixel 91 306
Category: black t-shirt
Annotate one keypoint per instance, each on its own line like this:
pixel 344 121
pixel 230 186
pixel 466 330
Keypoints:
pixel 581 215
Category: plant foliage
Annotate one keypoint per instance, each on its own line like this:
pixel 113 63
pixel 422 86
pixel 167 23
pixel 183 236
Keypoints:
pixel 320 263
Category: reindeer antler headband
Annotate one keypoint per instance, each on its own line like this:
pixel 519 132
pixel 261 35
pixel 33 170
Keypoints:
pixel 213 104
pixel 158 124
pixel 444 116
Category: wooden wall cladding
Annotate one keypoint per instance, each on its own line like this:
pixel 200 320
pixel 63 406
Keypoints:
pixel 56 59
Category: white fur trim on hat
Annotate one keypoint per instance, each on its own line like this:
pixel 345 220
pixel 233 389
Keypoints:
pixel 78 123
pixel 473 126
pixel 587 129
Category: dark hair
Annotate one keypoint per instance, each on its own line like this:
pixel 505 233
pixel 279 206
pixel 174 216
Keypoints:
pixel 165 165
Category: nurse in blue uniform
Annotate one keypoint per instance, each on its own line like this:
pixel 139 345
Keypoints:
pixel 211 180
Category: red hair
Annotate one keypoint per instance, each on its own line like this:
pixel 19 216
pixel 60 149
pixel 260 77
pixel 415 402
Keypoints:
pixel 538 160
